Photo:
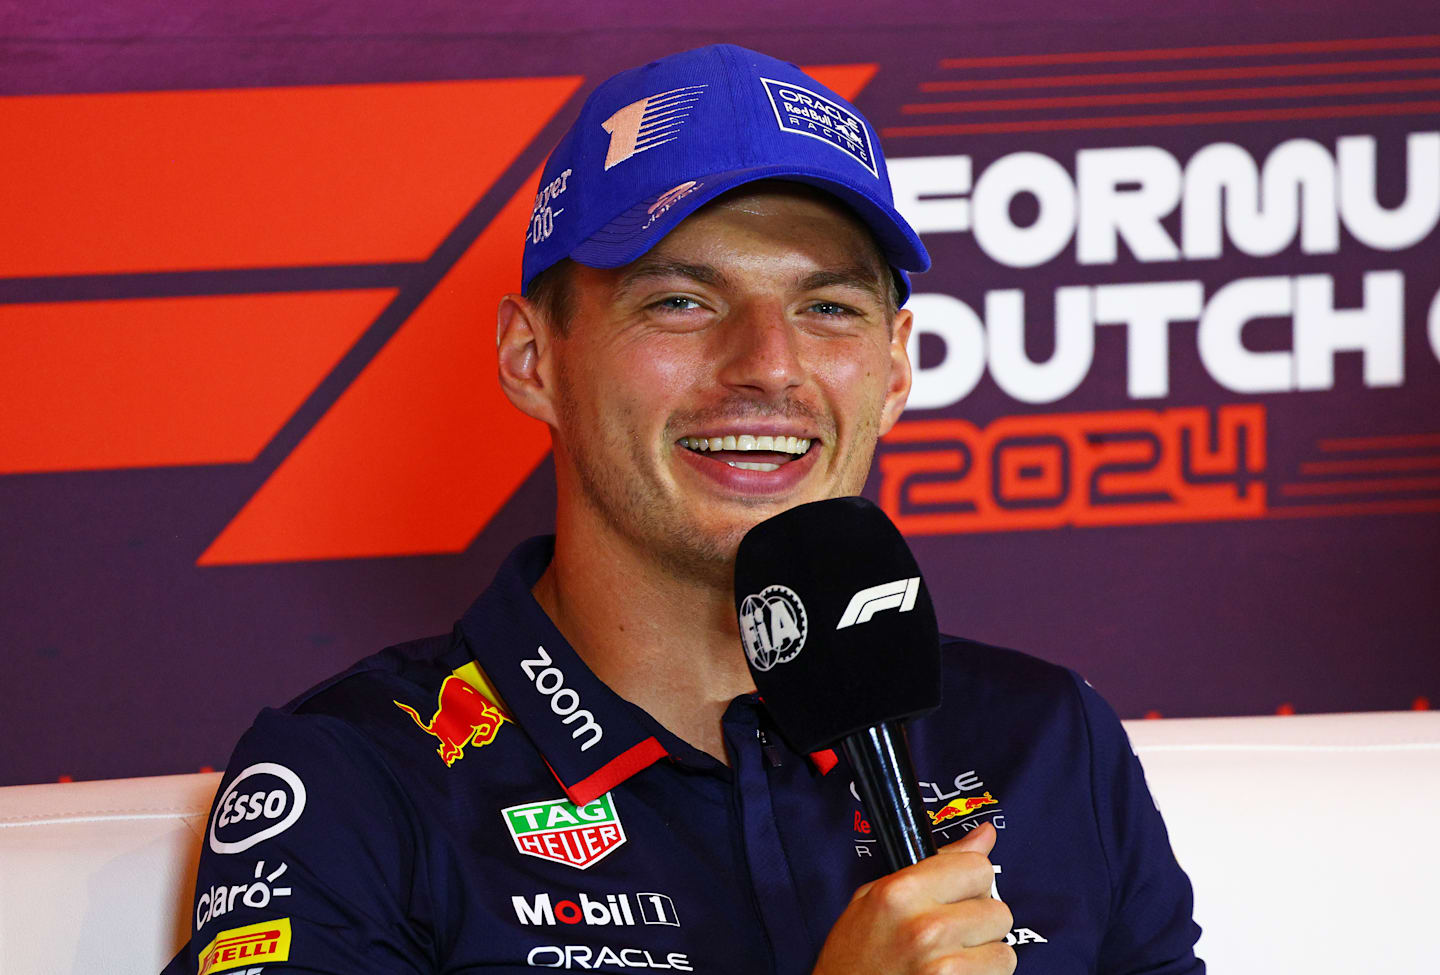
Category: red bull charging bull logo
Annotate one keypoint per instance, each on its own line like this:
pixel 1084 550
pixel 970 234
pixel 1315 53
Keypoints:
pixel 462 717
pixel 957 809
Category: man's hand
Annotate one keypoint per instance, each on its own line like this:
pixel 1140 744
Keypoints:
pixel 934 917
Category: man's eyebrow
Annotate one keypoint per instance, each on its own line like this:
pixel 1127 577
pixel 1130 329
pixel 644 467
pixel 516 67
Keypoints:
pixel 848 275
pixel 649 268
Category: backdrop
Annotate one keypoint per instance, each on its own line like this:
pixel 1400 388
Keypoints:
pixel 1175 420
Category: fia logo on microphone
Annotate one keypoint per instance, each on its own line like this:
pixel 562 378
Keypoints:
pixel 772 626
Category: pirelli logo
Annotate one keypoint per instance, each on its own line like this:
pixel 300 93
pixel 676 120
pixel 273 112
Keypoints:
pixel 263 942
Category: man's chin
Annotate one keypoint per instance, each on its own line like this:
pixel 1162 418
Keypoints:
pixel 707 551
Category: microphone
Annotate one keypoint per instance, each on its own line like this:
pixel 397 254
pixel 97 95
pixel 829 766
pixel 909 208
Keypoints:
pixel 842 642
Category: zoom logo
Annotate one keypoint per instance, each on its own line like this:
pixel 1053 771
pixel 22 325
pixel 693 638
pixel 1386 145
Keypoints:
pixel 564 701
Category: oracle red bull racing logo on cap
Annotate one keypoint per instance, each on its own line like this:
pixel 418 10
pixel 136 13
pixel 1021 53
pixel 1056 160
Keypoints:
pixel 463 716
pixel 800 111
pixel 559 830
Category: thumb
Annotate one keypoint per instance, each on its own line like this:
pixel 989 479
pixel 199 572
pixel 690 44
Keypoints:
pixel 979 840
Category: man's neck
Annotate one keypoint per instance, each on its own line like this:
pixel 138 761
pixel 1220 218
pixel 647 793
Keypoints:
pixel 667 643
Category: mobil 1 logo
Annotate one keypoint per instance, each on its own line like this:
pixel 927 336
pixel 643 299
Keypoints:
pixel 262 801
pixel 602 910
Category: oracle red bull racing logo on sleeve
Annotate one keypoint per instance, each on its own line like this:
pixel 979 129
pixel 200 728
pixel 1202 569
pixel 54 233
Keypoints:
pixel 463 716
pixel 264 942
pixel 559 830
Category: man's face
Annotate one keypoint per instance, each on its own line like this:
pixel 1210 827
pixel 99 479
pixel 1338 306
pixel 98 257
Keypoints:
pixel 763 318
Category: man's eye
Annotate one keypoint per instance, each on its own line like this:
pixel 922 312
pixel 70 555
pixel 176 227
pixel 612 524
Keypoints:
pixel 676 303
pixel 832 309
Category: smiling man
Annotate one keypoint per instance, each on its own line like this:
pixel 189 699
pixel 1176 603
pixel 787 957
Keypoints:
pixel 580 776
pixel 745 364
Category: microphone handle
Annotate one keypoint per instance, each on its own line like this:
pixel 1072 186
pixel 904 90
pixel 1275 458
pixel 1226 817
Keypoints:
pixel 885 779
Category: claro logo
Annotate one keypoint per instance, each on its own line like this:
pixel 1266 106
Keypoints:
pixel 263 801
pixel 564 701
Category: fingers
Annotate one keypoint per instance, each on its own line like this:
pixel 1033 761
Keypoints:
pixel 939 880
pixel 979 840
pixel 885 932
pixel 935 917
pixel 954 927
pixel 991 959
pixel 946 881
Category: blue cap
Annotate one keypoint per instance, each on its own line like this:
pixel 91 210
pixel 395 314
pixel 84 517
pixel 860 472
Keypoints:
pixel 654 144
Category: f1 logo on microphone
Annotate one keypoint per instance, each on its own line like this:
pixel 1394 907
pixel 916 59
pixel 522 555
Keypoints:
pixel 899 594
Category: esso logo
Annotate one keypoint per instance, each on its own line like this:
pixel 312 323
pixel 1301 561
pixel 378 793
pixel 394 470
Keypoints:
pixel 263 801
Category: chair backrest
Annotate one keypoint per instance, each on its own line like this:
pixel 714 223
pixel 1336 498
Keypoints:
pixel 99 876
pixel 1312 842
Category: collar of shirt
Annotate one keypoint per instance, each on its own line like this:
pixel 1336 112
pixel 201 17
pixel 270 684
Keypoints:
pixel 591 738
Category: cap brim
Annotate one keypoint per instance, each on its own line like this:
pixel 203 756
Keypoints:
pixel 634 232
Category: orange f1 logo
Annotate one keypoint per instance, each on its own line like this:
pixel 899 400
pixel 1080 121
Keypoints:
pixel 421 449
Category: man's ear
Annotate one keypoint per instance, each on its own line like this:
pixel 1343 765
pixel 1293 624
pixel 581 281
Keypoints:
pixel 523 340
pixel 898 390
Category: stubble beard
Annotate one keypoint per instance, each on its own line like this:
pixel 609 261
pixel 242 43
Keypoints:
pixel 620 500
pixel 667 534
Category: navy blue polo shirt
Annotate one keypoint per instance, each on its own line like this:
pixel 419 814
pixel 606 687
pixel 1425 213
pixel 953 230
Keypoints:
pixel 482 802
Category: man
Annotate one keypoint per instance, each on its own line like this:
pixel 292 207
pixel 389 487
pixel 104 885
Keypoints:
pixel 580 776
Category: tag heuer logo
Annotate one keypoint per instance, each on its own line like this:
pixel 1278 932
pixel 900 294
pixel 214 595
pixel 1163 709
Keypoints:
pixel 558 830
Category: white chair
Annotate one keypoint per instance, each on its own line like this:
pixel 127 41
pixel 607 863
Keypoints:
pixel 98 877
pixel 1312 842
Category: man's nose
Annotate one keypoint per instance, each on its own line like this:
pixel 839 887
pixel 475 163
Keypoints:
pixel 762 352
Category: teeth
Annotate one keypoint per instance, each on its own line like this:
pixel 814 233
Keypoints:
pixel 744 466
pixel 746 441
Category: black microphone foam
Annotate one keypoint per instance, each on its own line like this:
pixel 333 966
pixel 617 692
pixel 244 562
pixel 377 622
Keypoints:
pixel 837 623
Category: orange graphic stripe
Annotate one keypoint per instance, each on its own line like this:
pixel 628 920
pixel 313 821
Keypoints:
pixel 845 80
pixel 423 448
pixel 1316 68
pixel 1179 118
pixel 1320 467
pixel 340 174
pixel 1394 442
pixel 1175 97
pixel 164 381
pixel 1410 507
pixel 1210 51
pixel 1362 487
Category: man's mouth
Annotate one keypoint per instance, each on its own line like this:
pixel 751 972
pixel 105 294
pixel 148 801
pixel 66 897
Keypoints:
pixel 750 452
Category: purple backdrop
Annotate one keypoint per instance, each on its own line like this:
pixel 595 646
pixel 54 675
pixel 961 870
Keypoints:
pixel 126 658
